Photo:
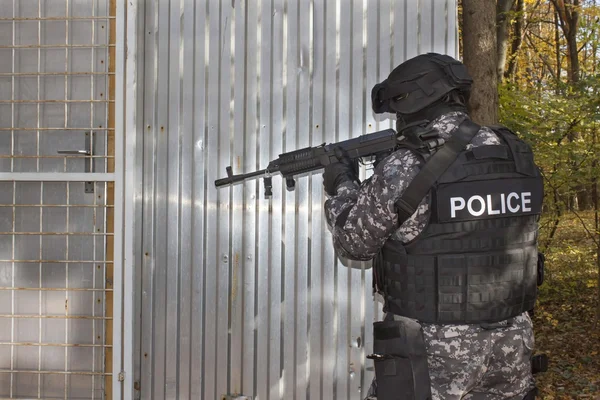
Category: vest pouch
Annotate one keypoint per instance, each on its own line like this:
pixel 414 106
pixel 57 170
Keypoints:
pixel 394 378
pixel 400 359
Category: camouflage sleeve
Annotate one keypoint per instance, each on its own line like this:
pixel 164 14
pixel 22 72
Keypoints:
pixel 363 218
pixel 346 196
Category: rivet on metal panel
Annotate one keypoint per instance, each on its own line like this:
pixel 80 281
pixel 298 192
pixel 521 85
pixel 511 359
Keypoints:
pixel 121 376
pixel 200 144
pixel 351 373
pixel 357 343
pixel 249 257
pixel 136 386
pixel 225 258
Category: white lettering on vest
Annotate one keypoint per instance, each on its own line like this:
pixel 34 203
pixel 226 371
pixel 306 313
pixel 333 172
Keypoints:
pixel 456 203
pixel 491 210
pixel 512 195
pixel 481 207
pixel 511 203
pixel 526 200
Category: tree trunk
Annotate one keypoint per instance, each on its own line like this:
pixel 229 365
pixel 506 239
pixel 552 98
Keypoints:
pixel 502 19
pixel 558 54
pixel 480 58
pixel 595 193
pixel 517 40
pixel 573 56
pixel 568 13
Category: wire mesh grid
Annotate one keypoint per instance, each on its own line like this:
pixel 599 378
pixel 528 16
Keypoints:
pixel 55 281
pixel 52 290
pixel 53 85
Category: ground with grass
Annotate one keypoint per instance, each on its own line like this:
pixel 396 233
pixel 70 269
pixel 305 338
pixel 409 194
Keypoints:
pixel 565 319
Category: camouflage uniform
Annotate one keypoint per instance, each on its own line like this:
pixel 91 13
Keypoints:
pixel 465 361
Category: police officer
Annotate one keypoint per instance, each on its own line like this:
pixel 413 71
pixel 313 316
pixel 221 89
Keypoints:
pixel 450 220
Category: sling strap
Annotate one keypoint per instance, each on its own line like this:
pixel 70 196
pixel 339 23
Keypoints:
pixel 437 164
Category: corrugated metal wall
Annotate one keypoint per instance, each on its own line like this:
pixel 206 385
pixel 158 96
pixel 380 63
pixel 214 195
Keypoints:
pixel 240 294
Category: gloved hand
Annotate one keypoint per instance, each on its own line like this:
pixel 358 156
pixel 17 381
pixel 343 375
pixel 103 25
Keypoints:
pixel 339 172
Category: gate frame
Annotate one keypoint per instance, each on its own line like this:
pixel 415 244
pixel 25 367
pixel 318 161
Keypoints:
pixel 125 99
pixel 127 187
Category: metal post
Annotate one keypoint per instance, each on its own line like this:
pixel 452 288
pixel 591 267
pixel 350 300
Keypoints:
pixel 128 97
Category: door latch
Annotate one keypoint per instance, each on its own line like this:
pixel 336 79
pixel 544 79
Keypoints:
pixel 88 154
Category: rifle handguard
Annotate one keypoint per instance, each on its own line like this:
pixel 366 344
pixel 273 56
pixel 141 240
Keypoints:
pixel 310 159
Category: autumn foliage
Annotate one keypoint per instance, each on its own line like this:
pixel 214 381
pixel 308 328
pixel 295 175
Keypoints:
pixel 549 93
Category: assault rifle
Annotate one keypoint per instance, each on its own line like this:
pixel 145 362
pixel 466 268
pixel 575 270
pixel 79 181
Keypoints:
pixel 314 158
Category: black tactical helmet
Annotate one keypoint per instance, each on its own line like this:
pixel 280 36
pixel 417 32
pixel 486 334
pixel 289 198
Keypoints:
pixel 420 82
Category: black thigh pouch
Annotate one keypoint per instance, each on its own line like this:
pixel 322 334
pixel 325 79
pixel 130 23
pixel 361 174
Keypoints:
pixel 400 359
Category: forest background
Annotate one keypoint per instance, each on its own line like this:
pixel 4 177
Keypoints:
pixel 535 67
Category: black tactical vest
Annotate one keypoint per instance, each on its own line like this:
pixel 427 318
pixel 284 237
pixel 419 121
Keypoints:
pixel 476 261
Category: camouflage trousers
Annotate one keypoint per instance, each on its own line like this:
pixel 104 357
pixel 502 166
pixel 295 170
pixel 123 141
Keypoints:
pixel 478 362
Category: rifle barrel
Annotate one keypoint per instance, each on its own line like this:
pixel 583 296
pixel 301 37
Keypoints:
pixel 238 178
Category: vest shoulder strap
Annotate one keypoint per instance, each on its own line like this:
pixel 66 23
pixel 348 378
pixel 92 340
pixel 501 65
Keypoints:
pixel 435 166
pixel 521 151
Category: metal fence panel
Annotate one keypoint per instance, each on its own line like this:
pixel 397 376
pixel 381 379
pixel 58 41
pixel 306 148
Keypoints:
pixel 53 290
pixel 55 281
pixel 240 294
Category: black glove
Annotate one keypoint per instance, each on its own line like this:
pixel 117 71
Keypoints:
pixel 339 172
pixel 379 157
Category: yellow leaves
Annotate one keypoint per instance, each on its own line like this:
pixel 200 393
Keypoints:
pixel 550 319
pixel 564 319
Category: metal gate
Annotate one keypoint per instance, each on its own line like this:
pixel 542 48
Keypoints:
pixel 59 303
